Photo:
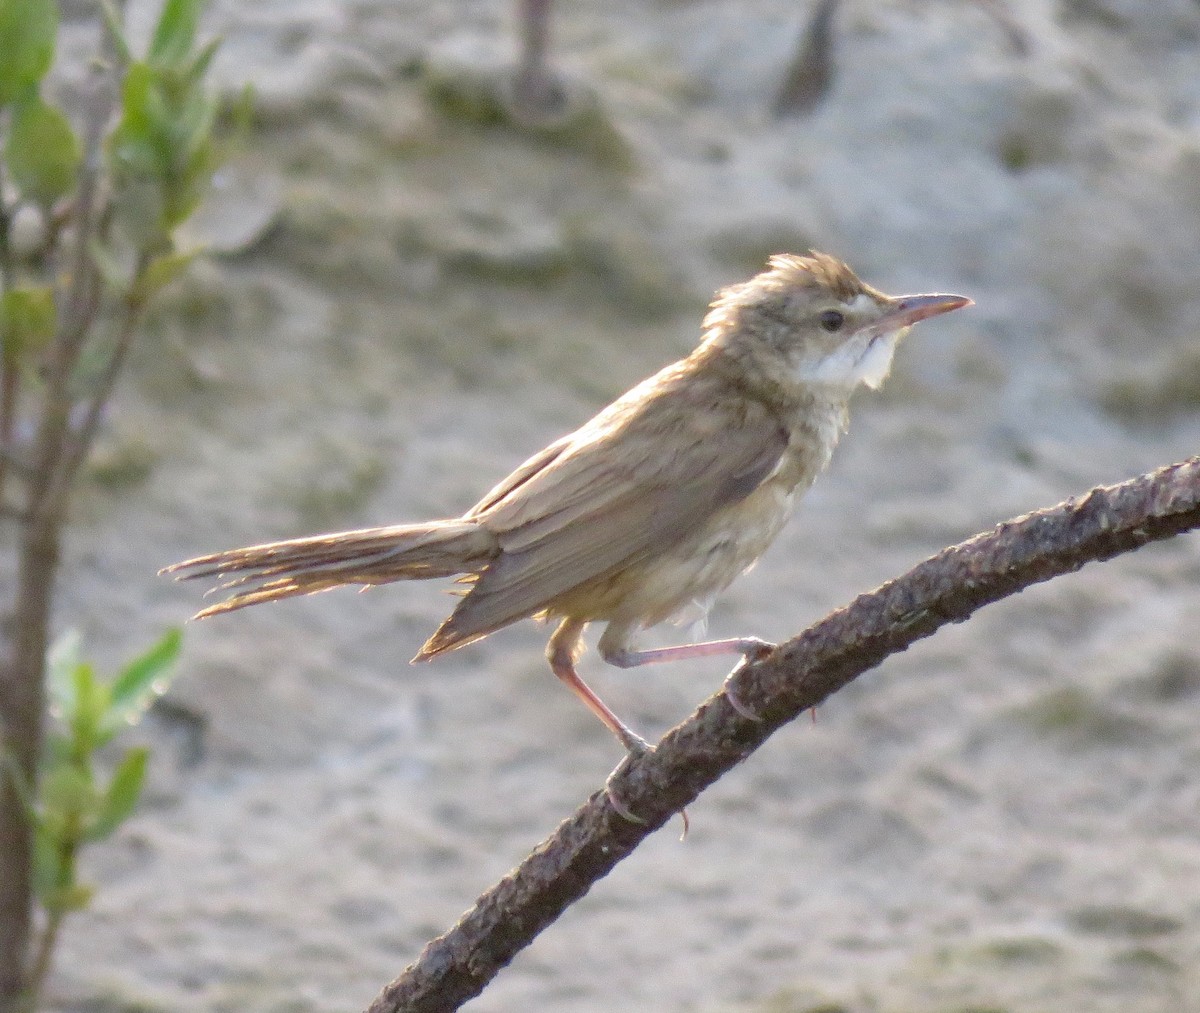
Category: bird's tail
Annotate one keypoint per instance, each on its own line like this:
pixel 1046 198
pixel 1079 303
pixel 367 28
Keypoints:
pixel 368 556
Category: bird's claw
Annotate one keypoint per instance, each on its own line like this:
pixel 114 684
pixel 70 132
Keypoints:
pixel 636 746
pixel 753 650
pixel 735 702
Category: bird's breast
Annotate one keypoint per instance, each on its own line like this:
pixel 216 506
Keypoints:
pixel 706 561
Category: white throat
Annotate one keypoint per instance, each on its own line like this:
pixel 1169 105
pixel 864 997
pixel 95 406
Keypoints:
pixel 864 358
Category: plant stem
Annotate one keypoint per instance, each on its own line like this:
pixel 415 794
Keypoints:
pixel 22 671
pixel 45 956
pixel 131 315
pixel 8 352
pixel 55 912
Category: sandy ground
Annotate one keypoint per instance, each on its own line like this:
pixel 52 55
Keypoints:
pixel 1007 817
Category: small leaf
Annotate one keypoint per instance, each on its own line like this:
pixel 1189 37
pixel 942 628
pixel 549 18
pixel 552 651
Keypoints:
pixel 27 31
pixel 160 272
pixel 92 698
pixel 67 793
pixel 199 66
pixel 144 679
pixel 131 145
pixel 116 31
pixel 122 796
pixel 27 321
pixel 175 32
pixel 43 151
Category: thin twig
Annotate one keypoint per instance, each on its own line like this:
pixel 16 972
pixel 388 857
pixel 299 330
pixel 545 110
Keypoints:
pixel 810 74
pixel 537 93
pixel 9 376
pixel 79 303
pixel 81 445
pixel 9 391
pixel 798 675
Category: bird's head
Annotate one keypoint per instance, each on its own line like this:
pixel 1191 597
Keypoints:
pixel 825 325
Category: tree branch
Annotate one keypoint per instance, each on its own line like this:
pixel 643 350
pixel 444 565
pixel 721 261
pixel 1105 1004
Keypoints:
pixel 798 675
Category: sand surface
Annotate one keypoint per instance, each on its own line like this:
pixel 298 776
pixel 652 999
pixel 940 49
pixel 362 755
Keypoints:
pixel 1007 817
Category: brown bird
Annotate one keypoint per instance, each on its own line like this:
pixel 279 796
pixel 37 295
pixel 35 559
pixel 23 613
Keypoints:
pixel 653 506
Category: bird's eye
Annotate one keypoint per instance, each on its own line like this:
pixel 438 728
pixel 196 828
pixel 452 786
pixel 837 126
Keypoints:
pixel 832 320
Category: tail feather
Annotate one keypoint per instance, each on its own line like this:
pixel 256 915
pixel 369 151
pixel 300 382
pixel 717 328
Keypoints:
pixel 369 556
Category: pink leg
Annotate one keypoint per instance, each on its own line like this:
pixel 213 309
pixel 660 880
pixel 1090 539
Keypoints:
pixel 615 650
pixel 623 657
pixel 561 653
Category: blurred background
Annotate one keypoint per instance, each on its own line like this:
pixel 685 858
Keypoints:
pixel 418 283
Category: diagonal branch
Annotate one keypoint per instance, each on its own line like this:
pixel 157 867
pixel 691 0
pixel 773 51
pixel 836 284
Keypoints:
pixel 799 674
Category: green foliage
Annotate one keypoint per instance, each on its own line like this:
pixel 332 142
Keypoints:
pixel 175 33
pixel 43 152
pixel 162 153
pixel 27 320
pixel 98 241
pixel 28 28
pixel 71 806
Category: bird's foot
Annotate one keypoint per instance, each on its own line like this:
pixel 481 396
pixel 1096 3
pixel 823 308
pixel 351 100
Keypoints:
pixel 636 746
pixel 753 650
pixel 614 799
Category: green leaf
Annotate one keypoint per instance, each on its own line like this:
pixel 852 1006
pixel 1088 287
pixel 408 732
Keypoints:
pixel 160 272
pixel 122 796
pixel 43 151
pixel 92 697
pixel 27 31
pixel 131 144
pixel 27 320
pixel 199 66
pixel 67 794
pixel 175 33
pixel 143 680
pixel 116 31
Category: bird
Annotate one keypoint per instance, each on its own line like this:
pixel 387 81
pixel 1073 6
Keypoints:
pixel 649 509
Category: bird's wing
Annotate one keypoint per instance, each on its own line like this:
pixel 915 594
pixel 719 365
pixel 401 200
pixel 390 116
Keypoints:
pixel 505 487
pixel 640 476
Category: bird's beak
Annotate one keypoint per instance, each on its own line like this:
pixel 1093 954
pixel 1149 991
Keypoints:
pixel 906 310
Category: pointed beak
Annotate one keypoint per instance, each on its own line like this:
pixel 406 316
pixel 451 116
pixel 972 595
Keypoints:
pixel 907 310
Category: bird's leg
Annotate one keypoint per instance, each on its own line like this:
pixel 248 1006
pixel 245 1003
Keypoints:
pixel 615 650
pixel 562 653
pixel 623 657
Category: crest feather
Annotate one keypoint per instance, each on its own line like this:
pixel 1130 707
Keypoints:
pixel 817 270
